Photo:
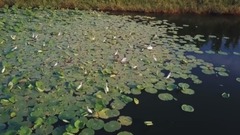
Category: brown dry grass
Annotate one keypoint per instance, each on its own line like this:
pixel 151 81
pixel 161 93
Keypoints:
pixel 160 6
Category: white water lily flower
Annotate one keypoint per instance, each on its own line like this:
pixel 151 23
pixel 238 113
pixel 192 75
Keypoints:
pixel 154 57
pixel 34 36
pixel 15 48
pixel 55 64
pixel 13 37
pixel 79 86
pixel 149 47
pixel 89 110
pixel 168 76
pixel 116 53
pixel 134 67
pixel 3 69
pixel 106 88
pixel 155 37
pixel 124 59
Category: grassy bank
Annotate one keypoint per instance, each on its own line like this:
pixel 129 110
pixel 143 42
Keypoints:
pixel 159 6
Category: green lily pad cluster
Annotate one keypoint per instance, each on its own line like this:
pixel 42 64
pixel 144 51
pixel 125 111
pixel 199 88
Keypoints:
pixel 71 72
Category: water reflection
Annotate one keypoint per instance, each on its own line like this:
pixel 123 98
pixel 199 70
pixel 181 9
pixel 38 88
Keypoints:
pixel 225 28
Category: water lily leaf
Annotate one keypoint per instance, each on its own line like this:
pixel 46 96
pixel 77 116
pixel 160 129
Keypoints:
pixel 183 85
pixel 187 108
pixel 136 101
pixel 208 71
pixel 210 52
pixel 238 79
pixel 25 131
pixel 222 53
pixel 225 95
pixel 126 99
pixel 38 123
pixel 124 133
pixel 148 123
pixel 236 53
pixel 223 73
pixel 72 129
pixel 165 96
pixel 112 113
pixel 79 124
pixel 117 104
pixel 188 91
pixel 5 102
pixel 112 126
pixel 171 87
pixel 95 124
pixel 125 120
pixel 40 86
pixel 87 131
pixel 136 91
pixel 13 114
pixel 220 69
pixel 151 90
pixel 140 87
pixel 102 114
pixel 51 120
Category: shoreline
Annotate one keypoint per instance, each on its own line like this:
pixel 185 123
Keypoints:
pixel 201 7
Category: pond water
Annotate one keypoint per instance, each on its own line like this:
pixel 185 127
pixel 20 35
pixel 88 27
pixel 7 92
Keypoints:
pixel 213 113
pixel 87 72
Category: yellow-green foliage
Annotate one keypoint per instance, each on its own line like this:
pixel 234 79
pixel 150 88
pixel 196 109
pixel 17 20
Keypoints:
pixel 166 6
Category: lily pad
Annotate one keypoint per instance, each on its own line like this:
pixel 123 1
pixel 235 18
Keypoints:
pixel 165 96
pixel 112 126
pixel 40 86
pixel 151 90
pixel 124 133
pixel 125 120
pixel 223 73
pixel 148 123
pixel 136 101
pixel 188 91
pixel 87 131
pixel 183 85
pixel 208 71
pixel 95 124
pixel 171 87
pixel 238 79
pixel 72 129
pixel 225 95
pixel 25 131
pixel 187 108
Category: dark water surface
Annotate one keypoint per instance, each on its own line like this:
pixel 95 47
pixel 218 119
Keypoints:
pixel 213 114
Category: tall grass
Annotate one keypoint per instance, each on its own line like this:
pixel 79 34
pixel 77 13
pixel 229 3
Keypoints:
pixel 162 6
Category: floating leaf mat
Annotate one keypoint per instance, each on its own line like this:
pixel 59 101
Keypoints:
pixel 69 71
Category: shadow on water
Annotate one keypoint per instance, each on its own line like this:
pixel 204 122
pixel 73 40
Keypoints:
pixel 213 114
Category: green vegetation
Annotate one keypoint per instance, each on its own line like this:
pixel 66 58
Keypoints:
pixel 160 6
pixel 72 72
